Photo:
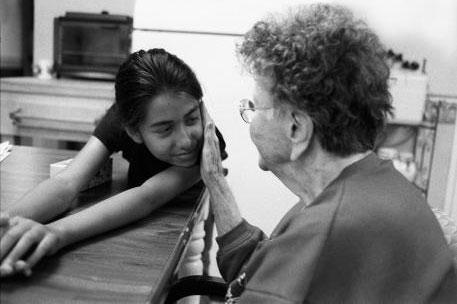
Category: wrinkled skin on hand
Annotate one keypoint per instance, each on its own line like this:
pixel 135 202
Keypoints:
pixel 211 162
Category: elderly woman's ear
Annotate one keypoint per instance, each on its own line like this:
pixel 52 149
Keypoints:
pixel 300 133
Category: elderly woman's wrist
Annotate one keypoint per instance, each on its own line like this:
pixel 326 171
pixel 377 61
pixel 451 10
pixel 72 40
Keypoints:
pixel 215 180
pixel 220 191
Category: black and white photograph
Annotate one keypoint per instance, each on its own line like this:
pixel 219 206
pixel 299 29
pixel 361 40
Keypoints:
pixel 237 152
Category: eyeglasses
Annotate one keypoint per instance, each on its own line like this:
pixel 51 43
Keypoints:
pixel 247 109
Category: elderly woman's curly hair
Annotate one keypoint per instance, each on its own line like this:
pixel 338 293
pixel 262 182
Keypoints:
pixel 325 62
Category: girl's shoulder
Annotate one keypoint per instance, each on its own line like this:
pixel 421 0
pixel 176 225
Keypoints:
pixel 110 132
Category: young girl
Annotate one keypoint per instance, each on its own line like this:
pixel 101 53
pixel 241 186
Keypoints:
pixel 156 123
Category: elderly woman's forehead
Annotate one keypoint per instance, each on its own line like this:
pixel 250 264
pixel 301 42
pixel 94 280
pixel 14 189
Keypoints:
pixel 263 94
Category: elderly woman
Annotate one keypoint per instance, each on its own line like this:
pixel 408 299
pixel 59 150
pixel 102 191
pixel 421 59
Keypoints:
pixel 361 233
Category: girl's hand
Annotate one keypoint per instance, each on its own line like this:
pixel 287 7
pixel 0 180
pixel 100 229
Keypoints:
pixel 25 236
pixel 211 164
pixel 4 223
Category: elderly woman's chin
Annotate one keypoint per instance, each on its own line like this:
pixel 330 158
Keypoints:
pixel 263 164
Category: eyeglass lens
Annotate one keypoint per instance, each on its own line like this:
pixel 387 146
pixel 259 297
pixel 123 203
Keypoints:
pixel 246 110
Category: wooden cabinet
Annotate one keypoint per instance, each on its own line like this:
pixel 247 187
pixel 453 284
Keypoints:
pixel 56 109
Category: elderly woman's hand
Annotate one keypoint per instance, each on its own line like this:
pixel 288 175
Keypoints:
pixel 211 164
pixel 226 213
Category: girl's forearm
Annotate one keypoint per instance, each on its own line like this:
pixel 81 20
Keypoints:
pixel 112 213
pixel 126 207
pixel 49 199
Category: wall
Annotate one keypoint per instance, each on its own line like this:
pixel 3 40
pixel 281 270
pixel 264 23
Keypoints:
pixel 47 10
pixel 451 193
pixel 417 28
pixel 10 33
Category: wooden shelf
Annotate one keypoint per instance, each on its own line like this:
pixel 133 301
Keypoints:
pixel 421 124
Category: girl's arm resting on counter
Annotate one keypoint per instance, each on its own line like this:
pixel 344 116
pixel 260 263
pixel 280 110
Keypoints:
pixel 22 229
pixel 126 207
pixel 55 195
pixel 111 213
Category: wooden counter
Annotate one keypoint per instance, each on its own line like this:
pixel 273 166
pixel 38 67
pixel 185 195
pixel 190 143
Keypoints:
pixel 133 264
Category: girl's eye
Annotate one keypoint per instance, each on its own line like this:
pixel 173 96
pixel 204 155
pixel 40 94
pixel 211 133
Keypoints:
pixel 163 130
pixel 192 120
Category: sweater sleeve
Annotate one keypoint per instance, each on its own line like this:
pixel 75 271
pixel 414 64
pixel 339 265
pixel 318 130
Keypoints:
pixel 281 269
pixel 235 248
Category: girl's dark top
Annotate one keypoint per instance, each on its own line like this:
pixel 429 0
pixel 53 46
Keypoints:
pixel 142 164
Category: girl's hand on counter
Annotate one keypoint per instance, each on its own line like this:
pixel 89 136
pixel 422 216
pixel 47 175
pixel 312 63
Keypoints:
pixel 4 223
pixel 25 243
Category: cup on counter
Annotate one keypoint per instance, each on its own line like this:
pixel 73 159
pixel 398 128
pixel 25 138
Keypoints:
pixel 387 153
pixel 43 69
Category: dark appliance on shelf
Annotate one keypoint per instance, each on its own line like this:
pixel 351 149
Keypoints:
pixel 91 45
